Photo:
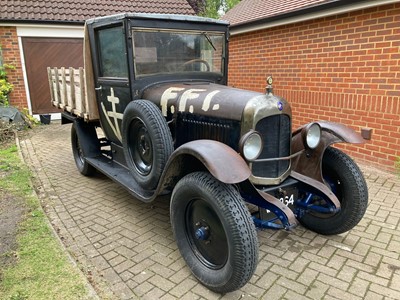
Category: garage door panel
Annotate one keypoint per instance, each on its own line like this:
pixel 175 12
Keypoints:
pixel 40 53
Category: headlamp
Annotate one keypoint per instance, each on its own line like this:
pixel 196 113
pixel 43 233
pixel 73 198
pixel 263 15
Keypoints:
pixel 312 135
pixel 251 145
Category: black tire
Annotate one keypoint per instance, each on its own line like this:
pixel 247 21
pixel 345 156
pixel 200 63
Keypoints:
pixel 147 142
pixel 83 167
pixel 347 182
pixel 214 232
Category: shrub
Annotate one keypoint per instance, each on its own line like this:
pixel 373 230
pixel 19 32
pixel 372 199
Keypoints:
pixel 5 86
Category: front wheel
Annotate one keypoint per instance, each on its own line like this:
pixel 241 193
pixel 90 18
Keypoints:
pixel 346 180
pixel 214 232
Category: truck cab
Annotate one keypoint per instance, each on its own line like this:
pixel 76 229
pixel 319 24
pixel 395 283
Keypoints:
pixel 132 53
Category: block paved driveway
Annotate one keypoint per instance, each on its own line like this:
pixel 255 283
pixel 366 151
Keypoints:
pixel 126 248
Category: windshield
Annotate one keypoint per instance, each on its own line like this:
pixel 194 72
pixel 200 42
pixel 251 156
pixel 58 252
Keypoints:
pixel 166 51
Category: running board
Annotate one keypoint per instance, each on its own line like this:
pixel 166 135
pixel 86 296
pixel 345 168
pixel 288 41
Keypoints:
pixel 122 176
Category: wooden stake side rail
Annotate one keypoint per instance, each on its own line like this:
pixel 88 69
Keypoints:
pixel 68 92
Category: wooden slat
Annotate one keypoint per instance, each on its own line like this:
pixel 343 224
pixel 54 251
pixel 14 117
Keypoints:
pixel 82 91
pixel 68 92
pixel 57 86
pixel 72 102
pixel 62 106
pixel 64 99
pixel 77 112
pixel 50 78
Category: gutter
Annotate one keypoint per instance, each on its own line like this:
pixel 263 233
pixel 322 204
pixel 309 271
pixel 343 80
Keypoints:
pixel 309 13
pixel 14 22
pixel 42 25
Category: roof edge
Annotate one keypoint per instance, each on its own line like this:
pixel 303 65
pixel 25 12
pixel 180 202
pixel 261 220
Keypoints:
pixel 44 22
pixel 175 17
pixel 309 13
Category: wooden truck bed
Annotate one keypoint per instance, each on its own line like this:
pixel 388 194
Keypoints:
pixel 68 92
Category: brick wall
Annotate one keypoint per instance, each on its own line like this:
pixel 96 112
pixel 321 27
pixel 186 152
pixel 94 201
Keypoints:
pixel 12 56
pixel 344 69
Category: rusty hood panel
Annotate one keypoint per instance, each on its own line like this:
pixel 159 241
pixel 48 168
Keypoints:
pixel 202 98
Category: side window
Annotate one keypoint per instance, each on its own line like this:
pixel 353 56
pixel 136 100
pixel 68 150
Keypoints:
pixel 112 52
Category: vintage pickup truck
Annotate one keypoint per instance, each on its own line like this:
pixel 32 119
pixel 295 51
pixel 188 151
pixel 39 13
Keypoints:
pixel 152 110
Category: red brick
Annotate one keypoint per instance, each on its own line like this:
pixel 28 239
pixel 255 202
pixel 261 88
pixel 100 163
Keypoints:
pixel 10 51
pixel 332 77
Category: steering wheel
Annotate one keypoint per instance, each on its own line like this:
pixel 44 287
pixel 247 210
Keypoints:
pixel 196 60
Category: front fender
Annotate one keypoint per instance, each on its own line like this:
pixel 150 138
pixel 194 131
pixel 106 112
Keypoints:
pixel 224 163
pixel 309 162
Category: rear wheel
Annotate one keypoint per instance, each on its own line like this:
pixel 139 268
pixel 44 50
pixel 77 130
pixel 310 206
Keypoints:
pixel 346 180
pixel 83 166
pixel 214 232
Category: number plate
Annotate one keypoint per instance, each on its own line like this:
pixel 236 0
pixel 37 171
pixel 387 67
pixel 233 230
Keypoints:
pixel 287 196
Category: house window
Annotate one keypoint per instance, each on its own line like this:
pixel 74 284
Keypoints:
pixel 112 52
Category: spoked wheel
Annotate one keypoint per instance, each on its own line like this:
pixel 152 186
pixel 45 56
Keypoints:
pixel 346 180
pixel 82 165
pixel 147 142
pixel 214 232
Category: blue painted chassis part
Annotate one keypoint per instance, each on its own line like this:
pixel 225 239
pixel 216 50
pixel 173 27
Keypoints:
pixel 302 206
pixel 268 223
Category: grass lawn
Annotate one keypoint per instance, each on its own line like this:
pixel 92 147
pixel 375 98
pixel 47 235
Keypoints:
pixel 36 266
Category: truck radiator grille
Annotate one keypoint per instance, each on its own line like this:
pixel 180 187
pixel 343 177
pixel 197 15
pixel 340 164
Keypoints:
pixel 276 132
pixel 195 128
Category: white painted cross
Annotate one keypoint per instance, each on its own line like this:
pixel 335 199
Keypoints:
pixel 113 114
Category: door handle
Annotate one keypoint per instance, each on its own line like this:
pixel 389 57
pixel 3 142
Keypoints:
pixel 98 88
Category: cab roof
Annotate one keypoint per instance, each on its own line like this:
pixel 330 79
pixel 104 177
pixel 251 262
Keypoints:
pixel 164 17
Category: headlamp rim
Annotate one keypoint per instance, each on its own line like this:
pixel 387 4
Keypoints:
pixel 245 138
pixel 305 132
